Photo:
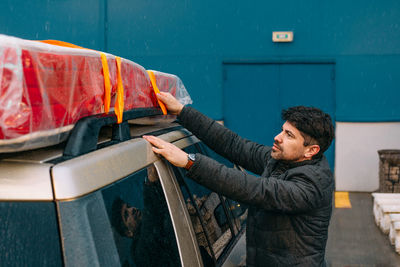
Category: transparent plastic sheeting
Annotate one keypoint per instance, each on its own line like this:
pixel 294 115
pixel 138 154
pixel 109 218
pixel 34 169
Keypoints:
pixel 45 89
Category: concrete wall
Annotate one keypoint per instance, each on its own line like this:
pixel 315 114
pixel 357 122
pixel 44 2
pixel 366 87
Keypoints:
pixel 356 157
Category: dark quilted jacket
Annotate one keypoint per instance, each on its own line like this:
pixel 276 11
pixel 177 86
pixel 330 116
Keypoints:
pixel 290 205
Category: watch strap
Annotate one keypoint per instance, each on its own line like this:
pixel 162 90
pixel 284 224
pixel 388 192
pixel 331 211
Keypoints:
pixel 190 161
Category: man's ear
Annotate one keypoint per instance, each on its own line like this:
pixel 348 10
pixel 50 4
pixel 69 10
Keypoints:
pixel 311 151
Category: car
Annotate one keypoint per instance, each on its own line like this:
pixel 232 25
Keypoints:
pixel 103 198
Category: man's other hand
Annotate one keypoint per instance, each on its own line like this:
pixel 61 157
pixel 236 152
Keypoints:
pixel 173 154
pixel 173 105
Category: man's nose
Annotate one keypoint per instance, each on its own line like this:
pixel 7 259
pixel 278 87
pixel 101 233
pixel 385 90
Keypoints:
pixel 278 138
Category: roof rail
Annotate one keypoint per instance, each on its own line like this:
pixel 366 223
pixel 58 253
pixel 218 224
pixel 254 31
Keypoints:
pixel 85 134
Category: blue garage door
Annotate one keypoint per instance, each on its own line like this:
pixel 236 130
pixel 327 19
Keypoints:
pixel 255 94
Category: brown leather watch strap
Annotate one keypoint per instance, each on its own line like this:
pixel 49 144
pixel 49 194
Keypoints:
pixel 189 164
pixel 191 159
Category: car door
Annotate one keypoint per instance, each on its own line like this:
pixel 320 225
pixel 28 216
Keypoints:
pixel 218 222
pixel 119 206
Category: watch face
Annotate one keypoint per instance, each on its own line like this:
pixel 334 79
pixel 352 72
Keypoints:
pixel 192 157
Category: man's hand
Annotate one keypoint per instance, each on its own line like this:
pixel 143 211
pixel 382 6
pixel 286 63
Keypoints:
pixel 173 154
pixel 171 103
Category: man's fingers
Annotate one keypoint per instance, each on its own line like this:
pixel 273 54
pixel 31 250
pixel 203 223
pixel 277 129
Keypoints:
pixel 155 141
pixel 167 150
pixel 156 150
pixel 163 97
pixel 163 94
pixel 160 97
pixel 159 145
pixel 172 104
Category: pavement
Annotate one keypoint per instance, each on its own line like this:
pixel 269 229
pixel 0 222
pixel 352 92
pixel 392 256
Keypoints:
pixel 354 239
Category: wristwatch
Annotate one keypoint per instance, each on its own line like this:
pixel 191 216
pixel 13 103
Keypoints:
pixel 191 160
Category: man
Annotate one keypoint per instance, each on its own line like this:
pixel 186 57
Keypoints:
pixel 290 205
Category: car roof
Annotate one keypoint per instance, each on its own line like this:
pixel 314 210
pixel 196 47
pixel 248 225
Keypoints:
pixel 46 154
pixel 38 175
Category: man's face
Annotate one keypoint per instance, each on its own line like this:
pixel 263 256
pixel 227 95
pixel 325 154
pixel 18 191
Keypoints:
pixel 289 144
pixel 131 217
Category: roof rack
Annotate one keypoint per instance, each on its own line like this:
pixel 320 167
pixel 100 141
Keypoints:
pixel 85 134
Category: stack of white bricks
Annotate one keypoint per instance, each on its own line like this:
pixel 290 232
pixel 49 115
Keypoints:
pixel 387 216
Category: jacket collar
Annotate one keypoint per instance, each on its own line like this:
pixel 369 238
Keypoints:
pixel 273 164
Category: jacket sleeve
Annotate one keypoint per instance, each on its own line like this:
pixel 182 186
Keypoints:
pixel 249 155
pixel 299 193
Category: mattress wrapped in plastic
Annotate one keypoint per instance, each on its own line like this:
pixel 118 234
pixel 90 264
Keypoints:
pixel 45 89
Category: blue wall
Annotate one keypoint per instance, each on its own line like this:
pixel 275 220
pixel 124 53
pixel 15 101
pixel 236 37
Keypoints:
pixel 194 38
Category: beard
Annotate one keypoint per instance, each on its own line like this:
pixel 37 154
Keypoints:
pixel 278 155
pixel 281 155
pixel 277 152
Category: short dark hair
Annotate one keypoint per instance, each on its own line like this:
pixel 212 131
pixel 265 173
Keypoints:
pixel 315 126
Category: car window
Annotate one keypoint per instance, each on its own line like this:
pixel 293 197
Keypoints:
pixel 29 234
pixel 209 221
pixel 208 215
pixel 238 211
pixel 142 227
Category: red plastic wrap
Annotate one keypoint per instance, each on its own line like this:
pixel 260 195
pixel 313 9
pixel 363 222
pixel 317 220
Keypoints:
pixel 45 89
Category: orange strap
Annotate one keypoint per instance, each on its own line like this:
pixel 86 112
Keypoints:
pixel 107 83
pixel 119 103
pixel 61 43
pixel 106 72
pixel 155 88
